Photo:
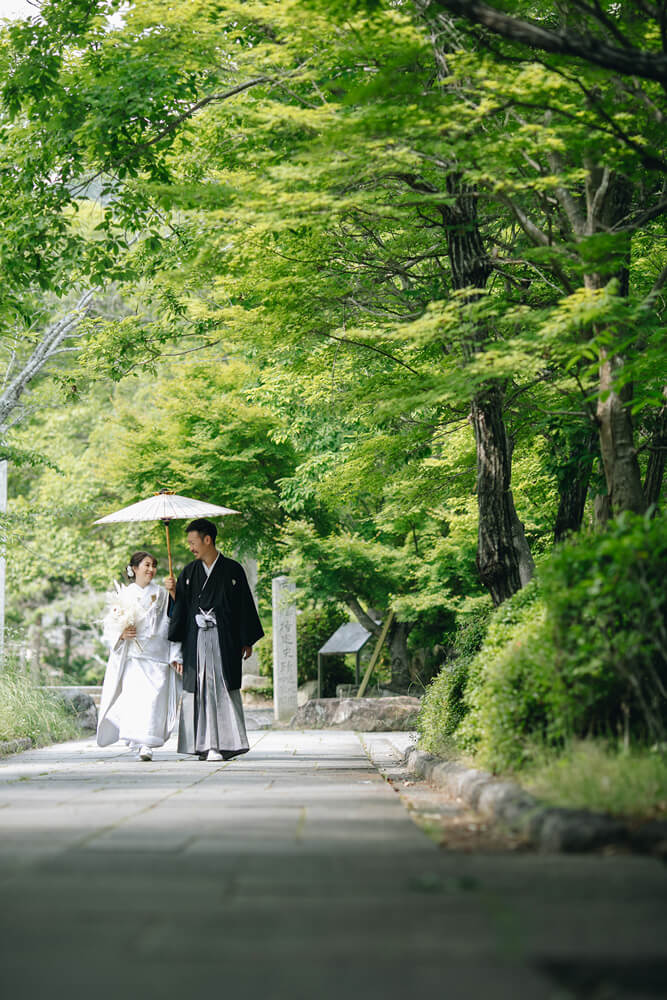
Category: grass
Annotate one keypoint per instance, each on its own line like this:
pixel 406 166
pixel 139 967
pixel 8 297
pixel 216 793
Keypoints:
pixel 595 775
pixel 27 711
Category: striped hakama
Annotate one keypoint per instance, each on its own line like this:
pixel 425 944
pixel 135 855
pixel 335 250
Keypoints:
pixel 212 717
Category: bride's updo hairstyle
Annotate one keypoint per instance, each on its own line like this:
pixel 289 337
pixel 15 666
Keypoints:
pixel 136 560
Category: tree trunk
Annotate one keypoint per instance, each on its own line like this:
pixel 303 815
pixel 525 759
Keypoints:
pixel 619 457
pixel 397 643
pixel 35 649
pixel 573 486
pixel 608 199
pixel 503 556
pixel 401 661
pixel 468 259
pixel 601 510
pixel 655 470
pixel 67 643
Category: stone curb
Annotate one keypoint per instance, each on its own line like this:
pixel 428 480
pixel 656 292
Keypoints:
pixel 550 828
pixel 15 746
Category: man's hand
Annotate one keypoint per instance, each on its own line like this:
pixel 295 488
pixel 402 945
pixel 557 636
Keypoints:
pixel 247 652
pixel 170 585
pixel 178 667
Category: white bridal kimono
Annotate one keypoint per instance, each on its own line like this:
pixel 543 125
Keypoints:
pixel 141 691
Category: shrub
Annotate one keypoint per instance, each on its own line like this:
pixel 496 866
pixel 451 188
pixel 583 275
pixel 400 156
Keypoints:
pixel 603 776
pixel 443 706
pixel 581 653
pixel 471 631
pixel 265 653
pixel 27 711
pixel 313 628
pixel 607 608
pixel 513 698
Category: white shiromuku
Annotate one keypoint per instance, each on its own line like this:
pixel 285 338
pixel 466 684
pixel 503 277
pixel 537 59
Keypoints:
pixel 141 691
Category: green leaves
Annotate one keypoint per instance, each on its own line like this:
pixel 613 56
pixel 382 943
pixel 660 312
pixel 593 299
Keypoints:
pixel 298 238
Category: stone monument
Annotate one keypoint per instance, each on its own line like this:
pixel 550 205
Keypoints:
pixel 284 648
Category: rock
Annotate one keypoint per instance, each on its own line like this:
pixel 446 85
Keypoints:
pixel 82 705
pixel 652 837
pixel 420 763
pixel 17 745
pixel 346 690
pixel 444 772
pixel 368 715
pixel 256 682
pixel 548 827
pixel 257 699
pixel 259 718
pixel 501 798
pixel 306 691
pixel 578 830
pixel 256 691
pixel 471 786
pixel 350 691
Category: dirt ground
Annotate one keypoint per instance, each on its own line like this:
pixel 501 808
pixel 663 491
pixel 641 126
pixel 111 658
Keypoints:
pixel 451 823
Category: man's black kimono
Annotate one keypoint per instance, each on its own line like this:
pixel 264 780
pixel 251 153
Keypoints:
pixel 227 593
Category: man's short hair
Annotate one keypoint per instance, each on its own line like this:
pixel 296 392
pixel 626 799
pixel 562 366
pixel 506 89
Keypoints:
pixel 203 527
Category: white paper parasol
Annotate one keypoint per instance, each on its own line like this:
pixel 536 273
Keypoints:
pixel 166 506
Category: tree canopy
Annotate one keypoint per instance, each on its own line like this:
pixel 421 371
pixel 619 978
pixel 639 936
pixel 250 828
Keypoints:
pixel 387 277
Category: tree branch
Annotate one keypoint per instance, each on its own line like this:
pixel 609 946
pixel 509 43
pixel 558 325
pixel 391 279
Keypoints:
pixel 659 284
pixel 627 61
pixel 197 106
pixel 368 347
pixel 47 346
pixel 533 232
pixel 363 618
pixel 641 218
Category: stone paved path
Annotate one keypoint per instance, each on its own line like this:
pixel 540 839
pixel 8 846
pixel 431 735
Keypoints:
pixel 293 873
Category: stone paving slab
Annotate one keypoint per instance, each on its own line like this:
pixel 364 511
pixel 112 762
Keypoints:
pixel 293 872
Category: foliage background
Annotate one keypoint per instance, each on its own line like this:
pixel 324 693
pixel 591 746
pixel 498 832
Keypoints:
pixel 262 201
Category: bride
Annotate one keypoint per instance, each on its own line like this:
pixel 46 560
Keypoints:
pixel 141 691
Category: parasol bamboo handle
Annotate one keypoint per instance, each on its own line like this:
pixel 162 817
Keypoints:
pixel 166 529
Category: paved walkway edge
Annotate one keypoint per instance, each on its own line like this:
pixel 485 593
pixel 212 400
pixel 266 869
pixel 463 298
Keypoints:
pixel 549 828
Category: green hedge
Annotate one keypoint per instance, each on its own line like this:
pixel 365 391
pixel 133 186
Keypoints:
pixel 580 652
pixel 513 697
pixel 444 707
pixel 607 606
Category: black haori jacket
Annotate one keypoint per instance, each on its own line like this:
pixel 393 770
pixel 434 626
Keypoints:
pixel 228 594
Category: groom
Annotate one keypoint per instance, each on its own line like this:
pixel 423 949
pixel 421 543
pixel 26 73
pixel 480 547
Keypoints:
pixel 215 618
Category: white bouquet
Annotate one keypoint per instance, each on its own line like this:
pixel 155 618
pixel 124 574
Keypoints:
pixel 123 610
